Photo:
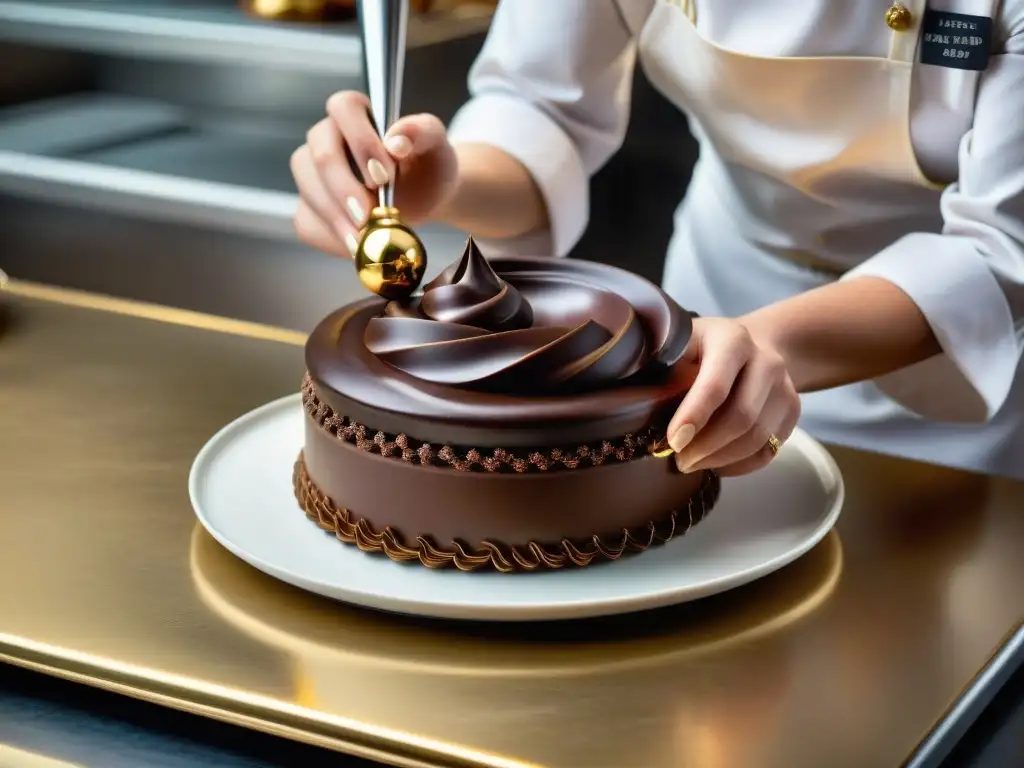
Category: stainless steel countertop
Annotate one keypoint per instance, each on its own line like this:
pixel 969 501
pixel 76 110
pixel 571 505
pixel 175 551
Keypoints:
pixel 845 658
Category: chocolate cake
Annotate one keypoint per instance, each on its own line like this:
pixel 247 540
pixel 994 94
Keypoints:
pixel 510 418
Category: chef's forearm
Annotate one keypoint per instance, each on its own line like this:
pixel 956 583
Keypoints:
pixel 850 331
pixel 495 198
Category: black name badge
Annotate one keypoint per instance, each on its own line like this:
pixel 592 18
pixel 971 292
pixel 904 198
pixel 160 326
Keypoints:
pixel 956 40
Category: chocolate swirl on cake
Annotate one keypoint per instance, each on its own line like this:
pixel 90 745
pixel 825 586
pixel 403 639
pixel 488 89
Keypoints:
pixel 468 293
pixel 533 332
pixel 510 352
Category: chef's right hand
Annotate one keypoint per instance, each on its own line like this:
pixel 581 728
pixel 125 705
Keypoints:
pixel 335 198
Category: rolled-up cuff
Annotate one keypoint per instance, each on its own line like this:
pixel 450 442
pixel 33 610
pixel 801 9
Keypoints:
pixel 960 297
pixel 524 131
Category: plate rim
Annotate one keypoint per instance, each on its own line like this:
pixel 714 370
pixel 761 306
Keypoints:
pixel 822 461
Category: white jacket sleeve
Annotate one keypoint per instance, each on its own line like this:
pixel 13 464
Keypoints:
pixel 552 88
pixel 969 280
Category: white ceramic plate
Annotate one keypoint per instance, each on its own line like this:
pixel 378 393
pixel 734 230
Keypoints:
pixel 241 489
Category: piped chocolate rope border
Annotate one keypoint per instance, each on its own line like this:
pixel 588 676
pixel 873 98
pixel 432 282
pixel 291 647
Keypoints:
pixel 626 448
pixel 492 555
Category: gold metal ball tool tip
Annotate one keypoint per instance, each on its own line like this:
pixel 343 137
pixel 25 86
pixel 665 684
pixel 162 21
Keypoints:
pixel 390 259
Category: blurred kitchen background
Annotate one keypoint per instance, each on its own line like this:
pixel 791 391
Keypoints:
pixel 144 148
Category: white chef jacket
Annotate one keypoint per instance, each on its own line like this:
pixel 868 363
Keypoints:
pixel 552 88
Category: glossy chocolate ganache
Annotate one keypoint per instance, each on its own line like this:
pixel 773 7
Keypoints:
pixel 514 351
pixel 473 329
pixel 505 419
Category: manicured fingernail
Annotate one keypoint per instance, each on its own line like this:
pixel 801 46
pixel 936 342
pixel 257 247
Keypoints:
pixel 398 146
pixel 351 243
pixel 377 172
pixel 684 466
pixel 682 437
pixel 355 211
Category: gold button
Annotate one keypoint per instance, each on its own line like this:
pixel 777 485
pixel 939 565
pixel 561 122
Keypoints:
pixel 898 17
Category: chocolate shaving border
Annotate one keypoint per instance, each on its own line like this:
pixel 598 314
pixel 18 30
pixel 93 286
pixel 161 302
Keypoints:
pixel 350 529
pixel 626 448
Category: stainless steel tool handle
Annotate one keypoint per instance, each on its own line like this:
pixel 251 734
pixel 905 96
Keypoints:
pixel 383 24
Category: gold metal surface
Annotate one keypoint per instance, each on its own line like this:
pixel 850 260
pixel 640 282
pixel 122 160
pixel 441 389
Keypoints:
pixel 662 450
pixel 898 17
pixel 329 10
pixel 845 658
pixel 302 10
pixel 390 259
pixel 19 758
pixel 774 445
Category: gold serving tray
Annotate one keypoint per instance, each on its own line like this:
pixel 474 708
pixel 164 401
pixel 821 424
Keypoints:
pixel 845 658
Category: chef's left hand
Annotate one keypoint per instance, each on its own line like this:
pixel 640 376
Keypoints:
pixel 741 395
